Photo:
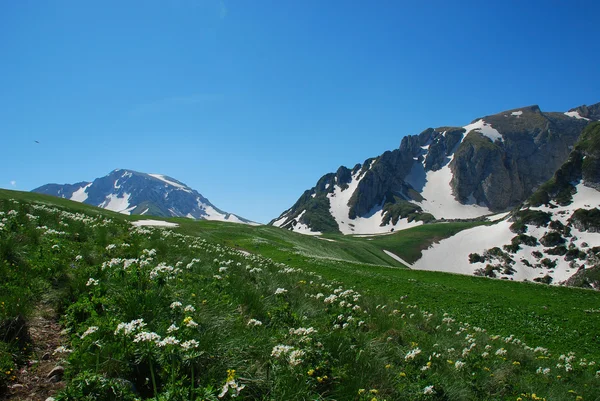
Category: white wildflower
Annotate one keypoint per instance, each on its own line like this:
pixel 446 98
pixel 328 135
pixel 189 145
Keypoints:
pixel 279 350
pixel 128 328
pixel 412 354
pixel 92 281
pixel 428 390
pixel 90 330
pixel 187 345
pixel 295 357
pixel 543 371
pixel 168 341
pixel 146 336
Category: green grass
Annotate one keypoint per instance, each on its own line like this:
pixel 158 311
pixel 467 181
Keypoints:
pixel 373 356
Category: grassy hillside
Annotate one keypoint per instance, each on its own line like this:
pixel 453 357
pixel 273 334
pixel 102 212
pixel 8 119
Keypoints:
pixel 387 333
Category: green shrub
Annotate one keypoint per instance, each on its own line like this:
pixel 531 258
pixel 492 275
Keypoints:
pixel 88 386
pixel 552 238
pixel 586 219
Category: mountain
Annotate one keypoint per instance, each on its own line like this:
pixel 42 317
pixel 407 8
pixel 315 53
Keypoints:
pixel 553 237
pixel 488 166
pixel 132 192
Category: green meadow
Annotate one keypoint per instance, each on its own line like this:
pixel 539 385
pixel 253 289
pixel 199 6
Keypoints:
pixel 211 310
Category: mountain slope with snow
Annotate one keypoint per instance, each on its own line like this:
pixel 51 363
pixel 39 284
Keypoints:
pixel 132 192
pixel 554 237
pixel 485 167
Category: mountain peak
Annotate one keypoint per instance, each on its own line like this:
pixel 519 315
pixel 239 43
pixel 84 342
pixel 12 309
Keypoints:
pixel 490 165
pixel 132 192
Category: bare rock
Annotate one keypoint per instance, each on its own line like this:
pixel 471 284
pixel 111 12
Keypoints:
pixel 58 371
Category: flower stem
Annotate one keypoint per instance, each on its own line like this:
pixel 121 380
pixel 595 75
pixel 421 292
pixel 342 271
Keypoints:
pixel 192 380
pixel 153 378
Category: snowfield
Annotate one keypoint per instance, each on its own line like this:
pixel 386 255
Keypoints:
pixel 452 254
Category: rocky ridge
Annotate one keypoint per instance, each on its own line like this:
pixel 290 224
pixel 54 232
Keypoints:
pixel 487 166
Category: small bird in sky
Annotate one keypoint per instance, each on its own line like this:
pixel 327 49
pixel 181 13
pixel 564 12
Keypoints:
pixel 37 141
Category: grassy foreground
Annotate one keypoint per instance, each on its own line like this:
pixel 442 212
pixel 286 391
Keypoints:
pixel 176 314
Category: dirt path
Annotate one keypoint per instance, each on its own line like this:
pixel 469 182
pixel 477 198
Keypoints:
pixel 33 382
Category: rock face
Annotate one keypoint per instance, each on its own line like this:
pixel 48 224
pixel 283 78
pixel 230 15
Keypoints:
pixel 132 192
pixel 552 238
pixel 502 173
pixel 488 166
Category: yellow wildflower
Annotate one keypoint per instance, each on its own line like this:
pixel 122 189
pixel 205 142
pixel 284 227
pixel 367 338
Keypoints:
pixel 311 372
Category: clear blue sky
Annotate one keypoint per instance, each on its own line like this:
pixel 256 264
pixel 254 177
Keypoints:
pixel 250 102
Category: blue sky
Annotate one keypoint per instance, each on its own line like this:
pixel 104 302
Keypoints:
pixel 250 102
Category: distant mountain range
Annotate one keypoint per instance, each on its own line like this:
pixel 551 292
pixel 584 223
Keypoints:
pixel 485 167
pixel 132 192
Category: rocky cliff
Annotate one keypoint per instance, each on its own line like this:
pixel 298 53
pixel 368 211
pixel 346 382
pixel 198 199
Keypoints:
pixel 489 165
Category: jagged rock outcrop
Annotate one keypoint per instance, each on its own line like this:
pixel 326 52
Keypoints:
pixel 490 165
pixel 504 172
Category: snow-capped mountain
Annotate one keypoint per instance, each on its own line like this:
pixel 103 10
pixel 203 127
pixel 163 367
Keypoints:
pixel 132 192
pixel 488 166
pixel 554 237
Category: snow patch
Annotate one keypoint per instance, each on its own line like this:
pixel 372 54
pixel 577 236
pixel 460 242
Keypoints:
pixel 438 197
pixel 172 183
pixel 516 113
pixel 369 224
pixel 485 129
pixel 80 195
pixel 584 198
pixel 158 223
pixel 278 223
pixel 302 228
pixel 452 254
pixel 499 216
pixel 398 258
pixel 116 204
pixel 575 114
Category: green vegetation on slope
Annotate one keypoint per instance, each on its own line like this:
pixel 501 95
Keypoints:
pixel 107 273
pixel 583 162
pixel 400 209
